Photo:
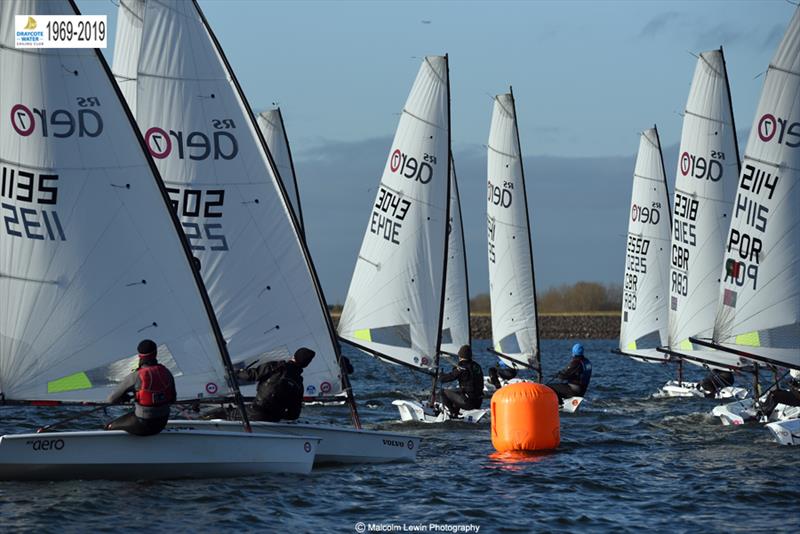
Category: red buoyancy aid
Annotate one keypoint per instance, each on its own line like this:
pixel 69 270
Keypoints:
pixel 156 387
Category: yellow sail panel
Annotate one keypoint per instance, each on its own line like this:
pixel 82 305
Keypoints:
pixel 69 383
pixel 750 339
pixel 363 334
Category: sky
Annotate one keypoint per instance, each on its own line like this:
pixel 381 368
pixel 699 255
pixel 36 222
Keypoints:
pixel 588 77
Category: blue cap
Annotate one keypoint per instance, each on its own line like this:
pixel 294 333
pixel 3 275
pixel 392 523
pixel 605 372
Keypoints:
pixel 577 349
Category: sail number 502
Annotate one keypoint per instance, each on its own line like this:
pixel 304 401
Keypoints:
pixel 199 203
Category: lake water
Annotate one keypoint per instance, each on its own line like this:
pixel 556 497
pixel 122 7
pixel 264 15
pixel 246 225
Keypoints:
pixel 626 461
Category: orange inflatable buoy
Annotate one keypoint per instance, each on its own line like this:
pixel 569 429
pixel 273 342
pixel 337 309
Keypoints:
pixel 525 418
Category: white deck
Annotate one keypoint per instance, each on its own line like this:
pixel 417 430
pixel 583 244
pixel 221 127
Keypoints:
pixel 412 411
pixel 785 432
pixel 117 455
pixel 337 445
pixel 673 388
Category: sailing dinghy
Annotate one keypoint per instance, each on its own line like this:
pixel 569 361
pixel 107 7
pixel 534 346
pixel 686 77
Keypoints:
pixel 758 305
pixel 512 286
pixel 394 308
pixel 235 210
pixel 708 164
pixel 93 263
pixel 455 318
pixel 644 299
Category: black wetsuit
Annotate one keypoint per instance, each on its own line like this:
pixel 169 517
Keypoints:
pixel 280 390
pixel 498 373
pixel 577 375
pixel 790 397
pixel 715 381
pixel 469 395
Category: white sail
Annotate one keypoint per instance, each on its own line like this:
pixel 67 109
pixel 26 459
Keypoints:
pixel 91 260
pixel 455 322
pixel 705 184
pixel 270 123
pixel 230 200
pixel 644 298
pixel 511 284
pixel 759 302
pixel 394 304
pixel 127 43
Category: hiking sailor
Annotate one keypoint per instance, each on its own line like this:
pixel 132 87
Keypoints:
pixel 715 381
pixel 789 397
pixel 153 390
pixel 279 394
pixel 469 395
pixel 576 376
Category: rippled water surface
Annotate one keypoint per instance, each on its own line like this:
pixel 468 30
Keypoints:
pixel 626 461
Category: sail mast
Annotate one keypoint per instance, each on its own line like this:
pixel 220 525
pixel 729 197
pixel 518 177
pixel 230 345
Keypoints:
pixel 730 108
pixel 463 247
pixel 446 241
pixel 664 172
pixel 294 174
pixel 226 360
pixel 285 196
pixel 538 364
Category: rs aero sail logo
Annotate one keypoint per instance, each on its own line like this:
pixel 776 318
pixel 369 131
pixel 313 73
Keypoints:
pixel 779 130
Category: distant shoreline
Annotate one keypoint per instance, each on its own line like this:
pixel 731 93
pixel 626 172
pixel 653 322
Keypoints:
pixel 570 325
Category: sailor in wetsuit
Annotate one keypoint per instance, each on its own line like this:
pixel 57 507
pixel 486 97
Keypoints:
pixel 501 372
pixel 469 395
pixel 280 387
pixel 153 389
pixel 715 381
pixel 789 397
pixel 576 375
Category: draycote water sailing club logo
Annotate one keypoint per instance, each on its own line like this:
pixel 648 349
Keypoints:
pixel 60 31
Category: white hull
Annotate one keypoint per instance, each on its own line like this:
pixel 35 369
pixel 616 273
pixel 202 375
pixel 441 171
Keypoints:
pixel 743 411
pixel 117 455
pixel 673 388
pixel 337 445
pixel 785 432
pixel 416 412
pixel 570 405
